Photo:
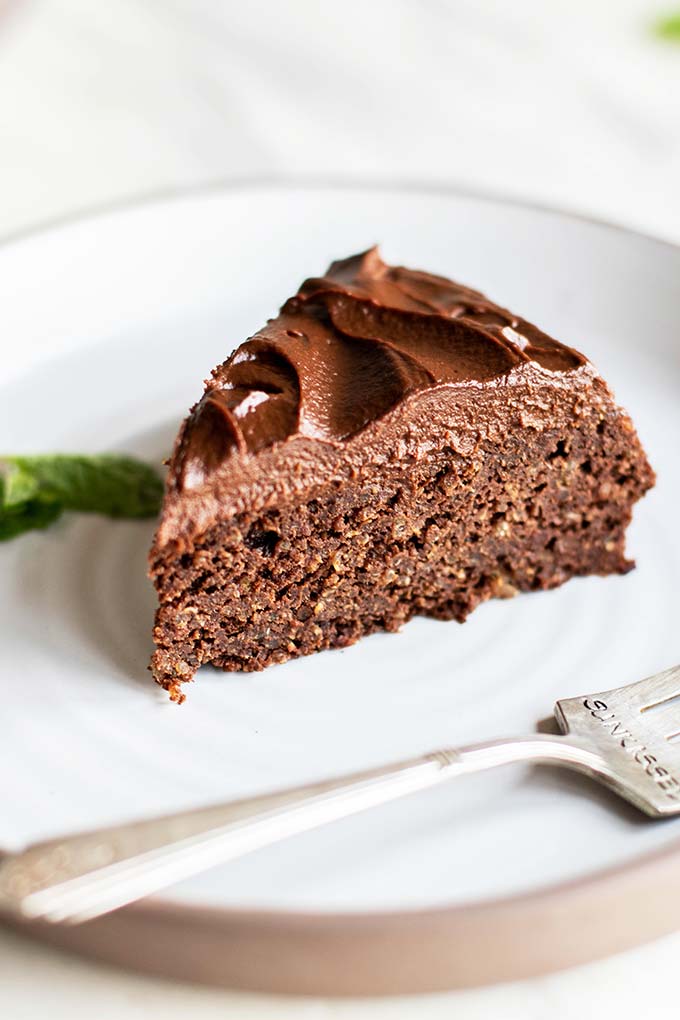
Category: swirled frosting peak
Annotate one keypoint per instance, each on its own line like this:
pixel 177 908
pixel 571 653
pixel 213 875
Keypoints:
pixel 345 350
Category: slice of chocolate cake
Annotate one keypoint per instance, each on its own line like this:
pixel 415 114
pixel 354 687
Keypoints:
pixel 391 444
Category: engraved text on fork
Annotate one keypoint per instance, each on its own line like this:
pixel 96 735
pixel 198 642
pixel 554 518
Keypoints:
pixel 666 782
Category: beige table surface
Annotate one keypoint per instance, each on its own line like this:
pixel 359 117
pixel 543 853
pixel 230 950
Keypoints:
pixel 574 104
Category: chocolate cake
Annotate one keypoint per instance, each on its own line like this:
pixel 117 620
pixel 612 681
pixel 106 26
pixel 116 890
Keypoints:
pixel 391 444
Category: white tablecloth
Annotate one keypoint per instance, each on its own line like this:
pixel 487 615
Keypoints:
pixel 563 102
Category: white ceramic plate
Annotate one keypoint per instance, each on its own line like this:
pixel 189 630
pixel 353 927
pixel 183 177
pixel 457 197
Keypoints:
pixel 109 326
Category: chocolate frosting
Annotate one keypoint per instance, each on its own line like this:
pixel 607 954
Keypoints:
pixel 346 350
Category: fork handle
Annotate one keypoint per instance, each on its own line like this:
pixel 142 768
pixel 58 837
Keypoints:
pixel 83 876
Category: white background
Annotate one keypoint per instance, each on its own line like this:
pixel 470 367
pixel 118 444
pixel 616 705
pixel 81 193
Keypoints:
pixel 569 103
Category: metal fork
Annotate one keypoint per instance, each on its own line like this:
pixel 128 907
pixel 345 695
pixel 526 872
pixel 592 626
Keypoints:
pixel 619 738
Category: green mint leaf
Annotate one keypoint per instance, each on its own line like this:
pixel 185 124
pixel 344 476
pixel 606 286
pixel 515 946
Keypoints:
pixel 668 27
pixel 16 485
pixel 21 517
pixel 34 491
pixel 110 484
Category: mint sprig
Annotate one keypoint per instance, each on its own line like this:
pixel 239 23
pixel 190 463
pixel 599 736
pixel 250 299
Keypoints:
pixel 34 491
pixel 668 27
pixel 27 516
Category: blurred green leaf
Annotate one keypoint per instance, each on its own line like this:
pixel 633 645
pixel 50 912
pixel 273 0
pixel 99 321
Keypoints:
pixel 21 517
pixel 668 27
pixel 35 490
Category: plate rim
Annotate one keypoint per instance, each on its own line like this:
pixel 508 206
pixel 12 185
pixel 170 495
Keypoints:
pixel 295 182
pixel 379 952
pixel 388 952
